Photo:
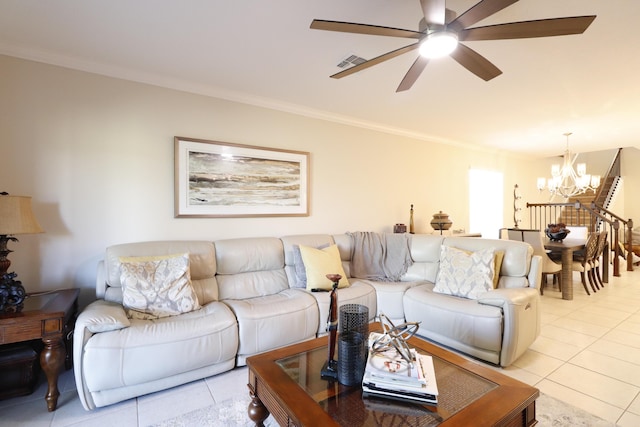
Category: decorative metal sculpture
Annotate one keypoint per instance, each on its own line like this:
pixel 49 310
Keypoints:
pixel 395 337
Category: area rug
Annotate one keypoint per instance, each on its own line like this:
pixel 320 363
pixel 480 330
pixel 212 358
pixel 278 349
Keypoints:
pixel 550 412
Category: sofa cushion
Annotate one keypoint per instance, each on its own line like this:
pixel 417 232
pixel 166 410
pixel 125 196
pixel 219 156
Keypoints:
pixel 272 321
pixel 151 350
pixel 389 298
pixel 458 322
pixel 465 274
pixel 158 286
pixel 320 262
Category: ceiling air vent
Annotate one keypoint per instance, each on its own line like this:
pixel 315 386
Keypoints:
pixel 351 60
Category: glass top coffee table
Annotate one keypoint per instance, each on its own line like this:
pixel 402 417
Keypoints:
pixel 286 383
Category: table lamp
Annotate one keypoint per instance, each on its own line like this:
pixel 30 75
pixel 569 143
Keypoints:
pixel 16 217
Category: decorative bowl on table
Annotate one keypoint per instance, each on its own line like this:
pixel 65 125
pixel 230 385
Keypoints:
pixel 557 232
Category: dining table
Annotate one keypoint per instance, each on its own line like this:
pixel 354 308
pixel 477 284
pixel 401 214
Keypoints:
pixel 566 248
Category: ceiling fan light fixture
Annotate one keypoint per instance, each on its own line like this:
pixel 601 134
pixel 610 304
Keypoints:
pixel 439 44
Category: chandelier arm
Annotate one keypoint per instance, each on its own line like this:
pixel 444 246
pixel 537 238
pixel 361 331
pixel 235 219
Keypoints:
pixel 565 181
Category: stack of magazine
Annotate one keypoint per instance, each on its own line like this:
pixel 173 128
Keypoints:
pixel 388 374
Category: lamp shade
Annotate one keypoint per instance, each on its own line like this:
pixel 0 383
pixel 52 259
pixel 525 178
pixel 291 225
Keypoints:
pixel 16 216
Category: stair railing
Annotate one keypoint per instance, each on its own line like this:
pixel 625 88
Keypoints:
pixel 612 173
pixel 627 238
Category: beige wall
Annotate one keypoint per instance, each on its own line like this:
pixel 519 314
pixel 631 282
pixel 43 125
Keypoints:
pixel 96 155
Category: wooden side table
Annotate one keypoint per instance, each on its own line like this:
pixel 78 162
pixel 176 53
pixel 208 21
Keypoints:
pixel 49 317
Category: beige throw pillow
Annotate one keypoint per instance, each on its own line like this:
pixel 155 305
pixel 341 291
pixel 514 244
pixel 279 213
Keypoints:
pixel 465 274
pixel 320 262
pixel 155 287
pixel 498 258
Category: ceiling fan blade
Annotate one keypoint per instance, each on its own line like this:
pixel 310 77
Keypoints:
pixel 413 73
pixel 434 11
pixel 375 30
pixel 375 61
pixel 529 29
pixel 478 12
pixel 474 62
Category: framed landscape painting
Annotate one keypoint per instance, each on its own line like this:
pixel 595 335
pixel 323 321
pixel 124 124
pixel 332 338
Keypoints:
pixel 219 179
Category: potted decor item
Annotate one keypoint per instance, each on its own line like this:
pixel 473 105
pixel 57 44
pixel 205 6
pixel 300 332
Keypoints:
pixel 557 232
pixel 441 221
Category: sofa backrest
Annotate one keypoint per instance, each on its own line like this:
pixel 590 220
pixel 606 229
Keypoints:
pixel 202 265
pixel 250 267
pixel 425 253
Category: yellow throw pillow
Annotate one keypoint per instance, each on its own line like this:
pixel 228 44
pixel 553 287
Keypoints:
pixel 320 262
pixel 497 259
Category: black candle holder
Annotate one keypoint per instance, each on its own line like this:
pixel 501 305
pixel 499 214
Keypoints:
pixel 330 369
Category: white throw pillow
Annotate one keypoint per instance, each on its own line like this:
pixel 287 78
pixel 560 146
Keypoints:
pixel 465 274
pixel 155 287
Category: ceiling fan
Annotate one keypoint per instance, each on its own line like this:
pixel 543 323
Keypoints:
pixel 441 27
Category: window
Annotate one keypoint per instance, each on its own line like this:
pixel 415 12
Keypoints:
pixel 486 202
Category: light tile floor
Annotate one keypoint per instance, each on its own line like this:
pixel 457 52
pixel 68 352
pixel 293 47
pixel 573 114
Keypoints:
pixel 588 355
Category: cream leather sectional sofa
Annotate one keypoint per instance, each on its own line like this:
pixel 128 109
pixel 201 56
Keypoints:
pixel 246 288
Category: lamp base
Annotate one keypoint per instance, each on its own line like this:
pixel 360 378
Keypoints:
pixel 329 370
pixel 12 294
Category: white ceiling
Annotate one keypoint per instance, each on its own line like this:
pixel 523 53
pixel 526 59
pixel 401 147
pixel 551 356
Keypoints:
pixel 262 52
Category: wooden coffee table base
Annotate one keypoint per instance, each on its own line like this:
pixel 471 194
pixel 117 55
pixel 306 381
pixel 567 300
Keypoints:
pixel 258 413
pixel 286 383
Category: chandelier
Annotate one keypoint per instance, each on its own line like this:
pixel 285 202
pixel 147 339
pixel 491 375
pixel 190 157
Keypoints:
pixel 566 181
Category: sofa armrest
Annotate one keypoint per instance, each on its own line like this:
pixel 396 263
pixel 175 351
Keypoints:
pixel 506 297
pixel 99 316
pixel 103 316
pixel 521 311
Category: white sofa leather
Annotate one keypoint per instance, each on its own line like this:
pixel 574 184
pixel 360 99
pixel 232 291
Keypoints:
pixel 115 361
pixel 252 281
pixel 250 305
pixel 501 324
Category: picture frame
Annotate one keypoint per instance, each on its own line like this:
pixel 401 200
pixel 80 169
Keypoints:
pixel 221 179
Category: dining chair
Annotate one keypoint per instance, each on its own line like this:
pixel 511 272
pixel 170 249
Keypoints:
pixel 585 263
pixel 549 266
pixel 515 234
pixel 577 232
pixel 596 261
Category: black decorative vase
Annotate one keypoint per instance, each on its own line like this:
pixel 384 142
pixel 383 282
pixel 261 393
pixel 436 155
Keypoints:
pixel 352 343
